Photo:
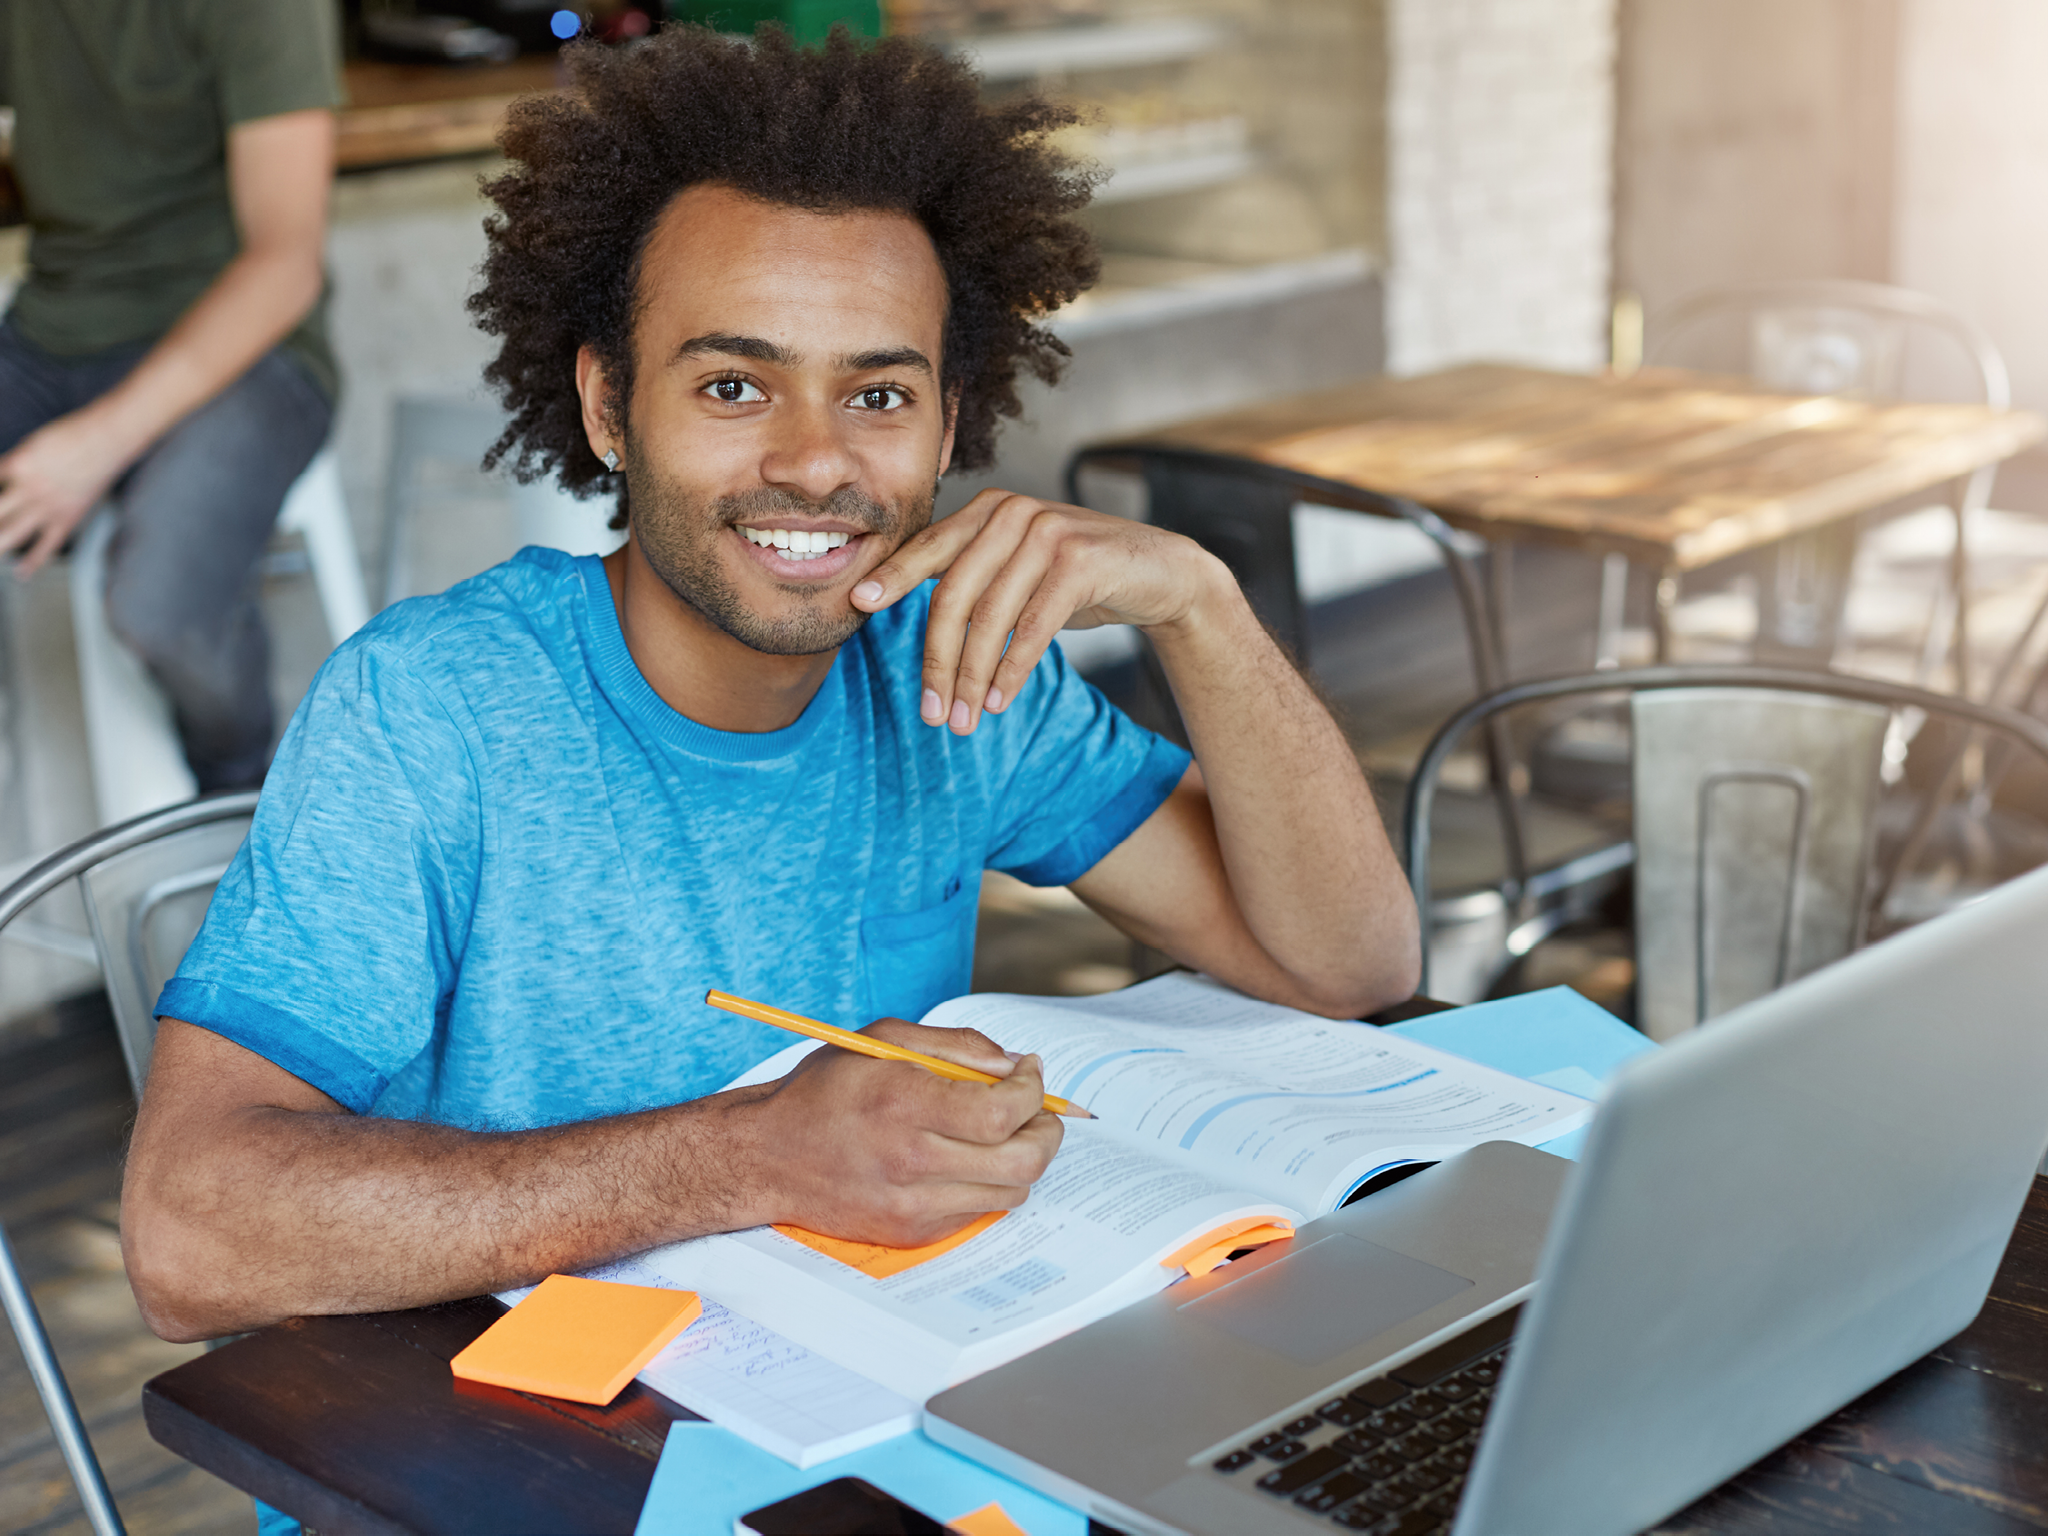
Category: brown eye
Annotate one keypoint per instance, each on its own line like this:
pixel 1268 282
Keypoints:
pixel 879 399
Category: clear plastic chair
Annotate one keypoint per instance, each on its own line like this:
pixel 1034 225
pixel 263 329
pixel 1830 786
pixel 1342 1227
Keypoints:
pixel 146 884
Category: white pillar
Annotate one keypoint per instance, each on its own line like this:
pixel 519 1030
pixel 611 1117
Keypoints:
pixel 1500 150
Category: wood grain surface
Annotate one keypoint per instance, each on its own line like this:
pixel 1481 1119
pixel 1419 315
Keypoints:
pixel 355 1425
pixel 1673 468
pixel 405 112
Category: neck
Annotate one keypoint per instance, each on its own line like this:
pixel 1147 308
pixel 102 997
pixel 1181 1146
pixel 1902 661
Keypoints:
pixel 696 667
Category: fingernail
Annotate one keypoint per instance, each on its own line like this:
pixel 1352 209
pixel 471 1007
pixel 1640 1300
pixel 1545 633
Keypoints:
pixel 1014 1055
pixel 960 714
pixel 994 699
pixel 933 709
pixel 869 591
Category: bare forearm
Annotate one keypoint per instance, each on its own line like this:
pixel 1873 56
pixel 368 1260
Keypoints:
pixel 252 1196
pixel 1300 839
pixel 248 309
pixel 286 1211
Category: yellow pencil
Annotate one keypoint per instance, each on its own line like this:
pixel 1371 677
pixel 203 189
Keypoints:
pixel 868 1045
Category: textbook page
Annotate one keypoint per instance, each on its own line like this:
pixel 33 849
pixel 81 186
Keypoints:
pixel 751 1380
pixel 1089 1240
pixel 1301 1107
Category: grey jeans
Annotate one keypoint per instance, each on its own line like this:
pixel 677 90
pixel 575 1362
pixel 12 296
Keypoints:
pixel 193 515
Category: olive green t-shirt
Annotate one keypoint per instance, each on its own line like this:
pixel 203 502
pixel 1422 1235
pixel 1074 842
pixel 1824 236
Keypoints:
pixel 122 109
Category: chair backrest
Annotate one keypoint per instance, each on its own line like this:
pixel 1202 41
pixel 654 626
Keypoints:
pixel 1830 336
pixel 145 906
pixel 146 883
pixel 1753 819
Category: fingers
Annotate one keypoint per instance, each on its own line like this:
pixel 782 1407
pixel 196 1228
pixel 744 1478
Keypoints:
pixel 981 1114
pixel 890 1152
pixel 48 541
pixel 975 607
pixel 925 554
pixel 965 1047
pixel 1027 605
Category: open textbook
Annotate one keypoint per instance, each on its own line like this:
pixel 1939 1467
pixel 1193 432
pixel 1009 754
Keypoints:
pixel 1221 1121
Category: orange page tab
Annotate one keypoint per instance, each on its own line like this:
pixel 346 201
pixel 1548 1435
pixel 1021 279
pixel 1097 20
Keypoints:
pixel 881 1262
pixel 578 1339
pixel 1212 1248
pixel 989 1520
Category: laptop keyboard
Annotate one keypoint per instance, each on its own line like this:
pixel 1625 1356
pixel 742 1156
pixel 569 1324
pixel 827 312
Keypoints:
pixel 1389 1457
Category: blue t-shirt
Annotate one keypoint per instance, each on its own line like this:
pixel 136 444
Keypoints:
pixel 492 874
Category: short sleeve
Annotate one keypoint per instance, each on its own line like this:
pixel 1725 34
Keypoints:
pixel 1081 776
pixel 334 939
pixel 270 56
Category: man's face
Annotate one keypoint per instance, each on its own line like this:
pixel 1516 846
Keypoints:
pixel 786 429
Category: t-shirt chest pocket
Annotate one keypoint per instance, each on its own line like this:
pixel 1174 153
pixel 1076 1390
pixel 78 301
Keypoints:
pixel 912 961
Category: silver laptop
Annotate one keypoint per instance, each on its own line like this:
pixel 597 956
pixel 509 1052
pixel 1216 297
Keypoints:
pixel 1771 1216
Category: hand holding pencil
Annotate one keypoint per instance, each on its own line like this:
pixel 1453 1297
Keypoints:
pixel 869 1045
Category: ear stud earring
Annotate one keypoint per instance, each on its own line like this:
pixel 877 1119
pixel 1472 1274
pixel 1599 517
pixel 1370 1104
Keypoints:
pixel 611 460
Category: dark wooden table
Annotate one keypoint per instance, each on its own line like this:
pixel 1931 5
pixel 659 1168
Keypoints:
pixel 355 1425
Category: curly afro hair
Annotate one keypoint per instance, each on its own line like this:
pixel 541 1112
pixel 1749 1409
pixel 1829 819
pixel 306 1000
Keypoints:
pixel 895 125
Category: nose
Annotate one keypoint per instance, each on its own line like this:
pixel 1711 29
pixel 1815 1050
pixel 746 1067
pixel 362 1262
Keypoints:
pixel 808 454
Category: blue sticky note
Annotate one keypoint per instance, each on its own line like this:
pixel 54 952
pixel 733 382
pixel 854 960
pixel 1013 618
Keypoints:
pixel 709 1477
pixel 1555 1037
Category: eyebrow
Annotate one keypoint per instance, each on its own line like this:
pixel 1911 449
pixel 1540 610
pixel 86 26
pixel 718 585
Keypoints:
pixel 721 343
pixel 728 345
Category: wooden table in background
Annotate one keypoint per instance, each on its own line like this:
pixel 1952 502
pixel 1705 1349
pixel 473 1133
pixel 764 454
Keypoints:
pixel 355 1425
pixel 1674 470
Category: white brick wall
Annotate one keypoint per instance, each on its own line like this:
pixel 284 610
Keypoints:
pixel 1500 130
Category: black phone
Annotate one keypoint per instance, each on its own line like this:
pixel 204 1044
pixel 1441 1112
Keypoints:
pixel 846 1506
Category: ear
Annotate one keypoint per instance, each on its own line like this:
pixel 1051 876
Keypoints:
pixel 952 421
pixel 593 389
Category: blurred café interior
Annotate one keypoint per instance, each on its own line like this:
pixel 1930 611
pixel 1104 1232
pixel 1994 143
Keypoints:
pixel 1486 341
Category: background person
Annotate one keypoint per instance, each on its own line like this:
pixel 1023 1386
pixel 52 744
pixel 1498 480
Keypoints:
pixel 168 346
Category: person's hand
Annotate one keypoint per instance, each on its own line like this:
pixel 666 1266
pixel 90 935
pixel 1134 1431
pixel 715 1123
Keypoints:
pixel 886 1152
pixel 1017 572
pixel 48 483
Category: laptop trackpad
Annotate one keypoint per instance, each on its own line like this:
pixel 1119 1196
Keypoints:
pixel 1314 1305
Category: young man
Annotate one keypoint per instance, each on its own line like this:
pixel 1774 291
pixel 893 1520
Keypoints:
pixel 168 347
pixel 443 1030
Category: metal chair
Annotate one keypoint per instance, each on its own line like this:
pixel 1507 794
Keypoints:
pixel 1830 337
pixel 145 884
pixel 1754 820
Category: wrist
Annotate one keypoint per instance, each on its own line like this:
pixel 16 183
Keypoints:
pixel 1212 598
pixel 727 1157
pixel 117 427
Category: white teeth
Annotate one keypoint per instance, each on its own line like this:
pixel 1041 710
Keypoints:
pixel 795 543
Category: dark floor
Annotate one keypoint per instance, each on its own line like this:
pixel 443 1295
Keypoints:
pixel 65 1109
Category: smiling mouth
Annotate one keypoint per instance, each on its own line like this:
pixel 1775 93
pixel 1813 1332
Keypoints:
pixel 794 543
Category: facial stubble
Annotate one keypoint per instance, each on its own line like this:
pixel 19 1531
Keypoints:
pixel 679 535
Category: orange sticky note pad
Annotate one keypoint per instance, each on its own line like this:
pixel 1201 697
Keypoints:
pixel 578 1339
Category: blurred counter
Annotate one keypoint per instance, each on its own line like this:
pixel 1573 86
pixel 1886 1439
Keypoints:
pixel 401 113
